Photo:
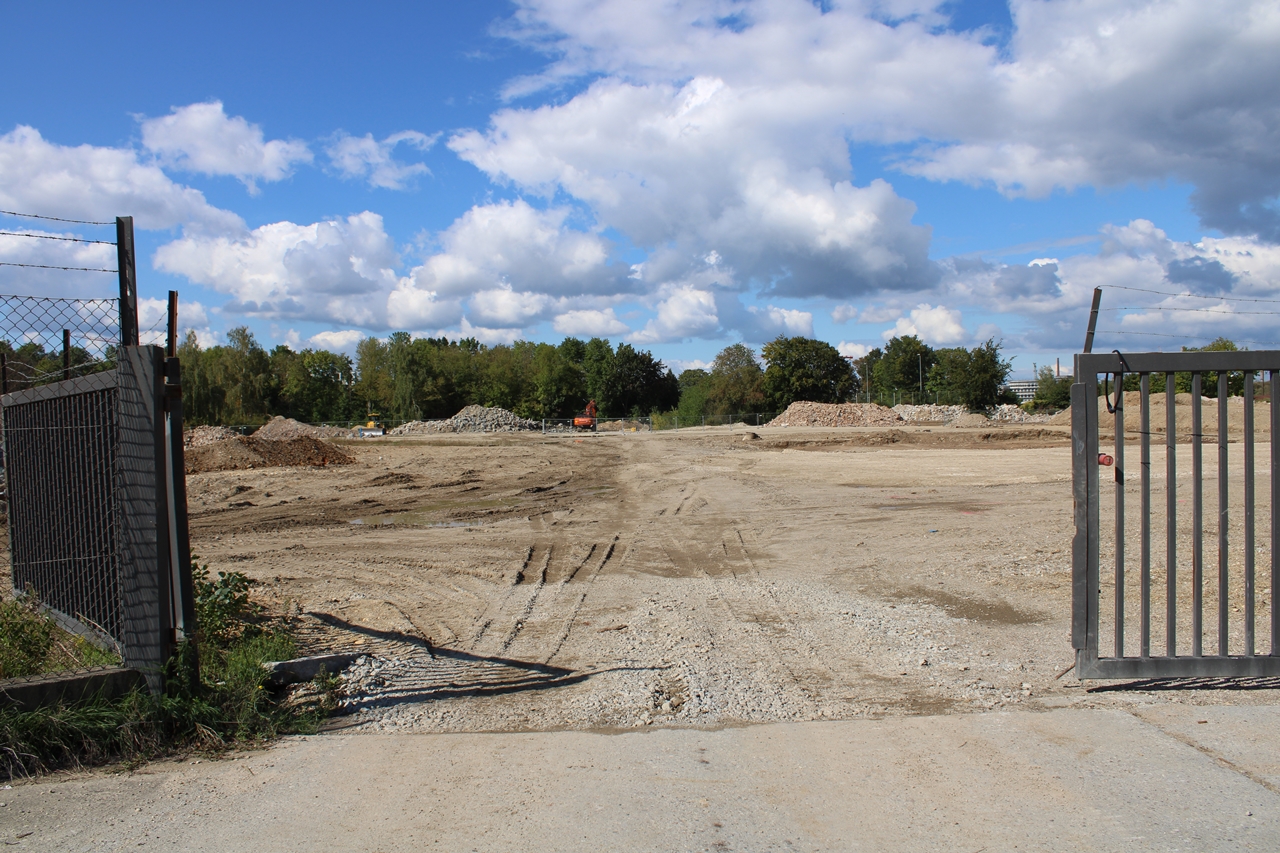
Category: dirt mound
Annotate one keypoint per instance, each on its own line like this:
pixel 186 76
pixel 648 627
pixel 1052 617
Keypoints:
pixel 835 415
pixel 285 428
pixel 202 435
pixel 241 452
pixel 1182 413
pixel 470 419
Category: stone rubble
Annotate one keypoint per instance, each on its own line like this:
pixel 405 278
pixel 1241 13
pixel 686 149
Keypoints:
pixel 470 419
pixel 835 415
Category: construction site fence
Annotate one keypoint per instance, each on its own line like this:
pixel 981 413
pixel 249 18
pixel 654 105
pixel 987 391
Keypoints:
pixel 45 339
pixel 95 504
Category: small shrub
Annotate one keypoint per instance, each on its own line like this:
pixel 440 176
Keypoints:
pixel 228 705
pixel 33 644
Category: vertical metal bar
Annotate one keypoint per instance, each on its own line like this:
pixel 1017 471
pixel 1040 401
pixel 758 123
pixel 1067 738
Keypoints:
pixel 1275 510
pixel 1171 516
pixel 1222 513
pixel 1248 514
pixel 1144 591
pixel 66 353
pixel 128 282
pixel 1118 461
pixel 1093 506
pixel 1093 321
pixel 171 339
pixel 1080 589
pixel 4 374
pixel 1197 518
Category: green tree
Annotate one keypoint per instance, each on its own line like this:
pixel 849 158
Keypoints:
pixel 905 363
pixel 805 369
pixel 970 378
pixel 1052 392
pixel 737 382
pixel 695 388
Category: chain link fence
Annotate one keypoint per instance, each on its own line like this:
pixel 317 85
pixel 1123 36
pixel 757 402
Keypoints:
pixel 46 339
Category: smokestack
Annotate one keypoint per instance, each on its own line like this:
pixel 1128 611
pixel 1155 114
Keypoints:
pixel 1057 368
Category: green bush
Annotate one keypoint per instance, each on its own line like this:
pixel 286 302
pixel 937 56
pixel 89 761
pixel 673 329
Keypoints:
pixel 228 704
pixel 32 644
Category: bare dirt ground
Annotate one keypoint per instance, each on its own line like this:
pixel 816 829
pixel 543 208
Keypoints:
pixel 527 582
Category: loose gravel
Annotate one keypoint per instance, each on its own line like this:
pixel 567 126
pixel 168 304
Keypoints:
pixel 470 419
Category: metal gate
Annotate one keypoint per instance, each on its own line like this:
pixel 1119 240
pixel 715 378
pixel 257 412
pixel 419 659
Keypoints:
pixel 1172 615
pixel 97 505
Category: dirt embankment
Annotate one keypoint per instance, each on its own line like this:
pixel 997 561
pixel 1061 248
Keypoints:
pixel 241 452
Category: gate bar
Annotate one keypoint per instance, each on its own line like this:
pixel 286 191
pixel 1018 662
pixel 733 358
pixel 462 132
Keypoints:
pixel 1222 513
pixel 1197 517
pixel 1248 515
pixel 1171 513
pixel 1275 516
pixel 1120 485
pixel 1144 592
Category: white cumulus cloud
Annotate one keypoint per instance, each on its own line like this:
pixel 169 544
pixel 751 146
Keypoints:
pixel 97 183
pixel 335 271
pixel 373 160
pixel 203 138
pixel 337 340
pixel 589 323
pixel 935 325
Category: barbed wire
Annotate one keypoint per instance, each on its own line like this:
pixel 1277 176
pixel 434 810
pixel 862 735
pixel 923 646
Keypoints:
pixel 54 218
pixel 1182 337
pixel 1190 295
pixel 52 267
pixel 51 237
pixel 1209 310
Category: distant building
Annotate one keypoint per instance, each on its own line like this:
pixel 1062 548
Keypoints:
pixel 1024 388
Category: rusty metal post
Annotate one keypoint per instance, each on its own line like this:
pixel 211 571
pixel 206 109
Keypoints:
pixel 66 353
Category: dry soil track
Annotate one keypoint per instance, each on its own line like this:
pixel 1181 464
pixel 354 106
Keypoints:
pixel 524 582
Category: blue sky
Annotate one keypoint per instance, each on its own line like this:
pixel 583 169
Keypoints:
pixel 683 175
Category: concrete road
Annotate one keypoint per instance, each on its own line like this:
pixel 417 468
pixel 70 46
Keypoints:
pixel 1166 777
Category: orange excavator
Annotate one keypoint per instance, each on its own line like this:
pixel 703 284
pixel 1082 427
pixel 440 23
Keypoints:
pixel 586 420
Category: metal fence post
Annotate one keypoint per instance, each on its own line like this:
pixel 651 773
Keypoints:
pixel 128 282
pixel 66 353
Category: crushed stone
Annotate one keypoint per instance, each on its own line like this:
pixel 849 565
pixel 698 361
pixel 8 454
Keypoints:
pixel 470 419
pixel 835 415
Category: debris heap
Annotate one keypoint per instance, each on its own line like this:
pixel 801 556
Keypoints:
pixel 836 415
pixel 284 428
pixel 470 419
pixel 203 435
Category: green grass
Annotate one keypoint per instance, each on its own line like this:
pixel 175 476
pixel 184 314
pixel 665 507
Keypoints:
pixel 228 705
pixel 32 644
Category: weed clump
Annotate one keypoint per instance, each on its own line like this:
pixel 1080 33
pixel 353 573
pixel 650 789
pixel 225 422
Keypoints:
pixel 216 693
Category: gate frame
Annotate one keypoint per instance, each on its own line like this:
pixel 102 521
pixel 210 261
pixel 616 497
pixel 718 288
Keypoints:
pixel 1085 549
pixel 149 491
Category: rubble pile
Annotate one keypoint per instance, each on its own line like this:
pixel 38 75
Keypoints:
pixel 835 415
pixel 203 435
pixel 470 419
pixel 929 413
pixel 1011 414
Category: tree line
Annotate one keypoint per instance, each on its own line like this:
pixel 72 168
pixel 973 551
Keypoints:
pixel 405 378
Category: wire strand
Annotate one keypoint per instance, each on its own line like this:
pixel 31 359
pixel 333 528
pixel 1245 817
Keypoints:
pixel 53 218
pixel 51 237
pixel 1171 308
pixel 1190 295
pixel 1180 337
pixel 50 267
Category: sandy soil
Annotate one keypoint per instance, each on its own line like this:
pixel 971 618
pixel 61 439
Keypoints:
pixel 530 582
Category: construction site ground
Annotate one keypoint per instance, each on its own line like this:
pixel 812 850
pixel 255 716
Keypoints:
pixel 569 637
